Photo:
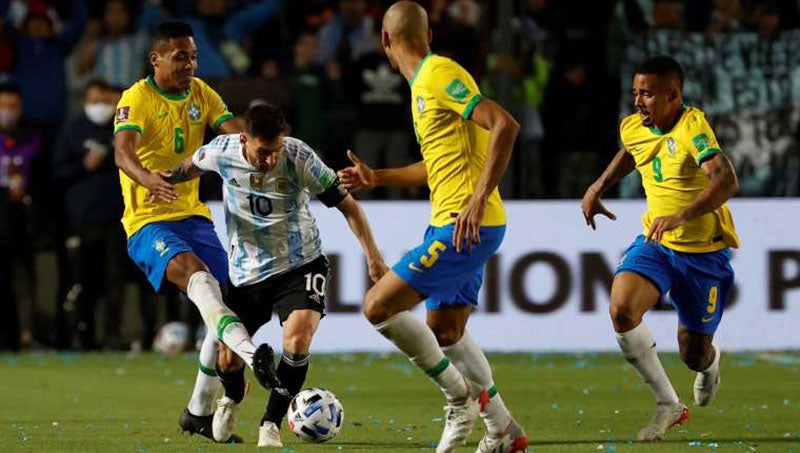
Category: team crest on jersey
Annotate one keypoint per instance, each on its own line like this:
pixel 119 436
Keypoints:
pixel 420 103
pixel 123 114
pixel 257 181
pixel 161 247
pixel 282 185
pixel 671 145
pixel 194 112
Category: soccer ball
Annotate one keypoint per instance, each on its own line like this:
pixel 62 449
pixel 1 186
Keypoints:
pixel 171 338
pixel 315 415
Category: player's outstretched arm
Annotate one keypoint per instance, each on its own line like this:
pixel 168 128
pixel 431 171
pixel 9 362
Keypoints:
pixel 361 177
pixel 125 144
pixel 503 130
pixel 357 220
pixel 622 164
pixel 186 171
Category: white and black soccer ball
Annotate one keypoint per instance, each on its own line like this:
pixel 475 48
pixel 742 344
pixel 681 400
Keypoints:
pixel 171 338
pixel 316 415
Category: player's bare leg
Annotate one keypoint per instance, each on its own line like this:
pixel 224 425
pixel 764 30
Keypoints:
pixel 198 417
pixel 230 370
pixel 502 432
pixel 187 272
pixel 386 307
pixel 700 354
pixel 298 332
pixel 631 297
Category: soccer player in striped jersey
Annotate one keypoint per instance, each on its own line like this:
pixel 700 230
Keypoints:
pixel 276 260
pixel 170 234
pixel 466 144
pixel 685 245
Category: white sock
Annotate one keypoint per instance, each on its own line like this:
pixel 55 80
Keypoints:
pixel 418 342
pixel 714 367
pixel 639 348
pixel 203 290
pixel 469 358
pixel 206 386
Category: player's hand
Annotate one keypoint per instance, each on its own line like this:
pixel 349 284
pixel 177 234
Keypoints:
pixel 359 176
pixel 377 268
pixel 468 223
pixel 663 224
pixel 159 188
pixel 591 206
pixel 92 161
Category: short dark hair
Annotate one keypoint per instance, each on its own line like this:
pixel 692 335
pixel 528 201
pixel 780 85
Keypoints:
pixel 171 29
pixel 96 83
pixel 265 121
pixel 662 66
pixel 10 88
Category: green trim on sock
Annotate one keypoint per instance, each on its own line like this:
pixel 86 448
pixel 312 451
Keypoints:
pixel 224 322
pixel 438 368
pixel 492 392
pixel 208 371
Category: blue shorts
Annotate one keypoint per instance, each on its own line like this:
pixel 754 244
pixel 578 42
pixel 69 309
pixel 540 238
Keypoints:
pixel 154 245
pixel 445 277
pixel 698 283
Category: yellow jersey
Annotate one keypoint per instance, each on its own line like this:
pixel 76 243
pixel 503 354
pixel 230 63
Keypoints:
pixel 172 128
pixel 443 95
pixel 669 162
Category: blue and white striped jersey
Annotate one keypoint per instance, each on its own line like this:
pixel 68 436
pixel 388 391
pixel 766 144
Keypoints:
pixel 270 228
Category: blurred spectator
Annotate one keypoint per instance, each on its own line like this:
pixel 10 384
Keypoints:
pixel 668 15
pixel 457 34
pixel 524 71
pixel 346 37
pixel 84 167
pixel 19 144
pixel 310 90
pixel 384 136
pixel 114 50
pixel 218 33
pixel 769 21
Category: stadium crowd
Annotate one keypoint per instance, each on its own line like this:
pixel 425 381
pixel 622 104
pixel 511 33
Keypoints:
pixel 63 66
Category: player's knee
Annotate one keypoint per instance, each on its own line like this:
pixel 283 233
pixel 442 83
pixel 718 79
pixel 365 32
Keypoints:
pixel 623 317
pixel 374 308
pixel 298 341
pixel 447 336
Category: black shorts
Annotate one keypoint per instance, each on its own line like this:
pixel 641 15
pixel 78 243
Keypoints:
pixel 303 288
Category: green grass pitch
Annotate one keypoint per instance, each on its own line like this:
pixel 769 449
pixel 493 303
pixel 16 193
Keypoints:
pixel 592 402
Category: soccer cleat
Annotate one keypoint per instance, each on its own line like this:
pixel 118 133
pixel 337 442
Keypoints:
pixel 512 440
pixel 269 435
pixel 707 384
pixel 194 424
pixel 224 421
pixel 667 415
pixel 459 419
pixel 264 367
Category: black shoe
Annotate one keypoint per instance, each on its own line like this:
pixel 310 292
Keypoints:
pixel 264 367
pixel 194 424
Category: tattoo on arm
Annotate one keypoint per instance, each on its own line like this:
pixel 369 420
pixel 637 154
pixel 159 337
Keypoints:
pixel 722 185
pixel 186 171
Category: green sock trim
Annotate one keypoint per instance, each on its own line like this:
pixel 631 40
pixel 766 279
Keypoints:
pixel 438 368
pixel 224 322
pixel 208 371
pixel 492 392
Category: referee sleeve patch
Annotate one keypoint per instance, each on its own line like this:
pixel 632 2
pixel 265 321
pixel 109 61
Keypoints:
pixel 334 194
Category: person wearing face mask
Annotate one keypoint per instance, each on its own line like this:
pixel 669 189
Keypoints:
pixel 84 168
pixel 19 145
